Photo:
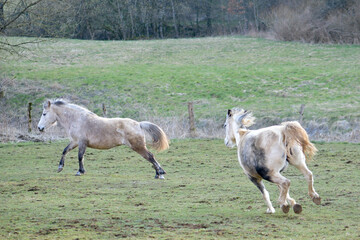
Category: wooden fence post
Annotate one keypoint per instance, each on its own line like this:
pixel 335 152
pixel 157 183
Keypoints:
pixel 191 119
pixel 301 112
pixel 29 117
pixel 104 110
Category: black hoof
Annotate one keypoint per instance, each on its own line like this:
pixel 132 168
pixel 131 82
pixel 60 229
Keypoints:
pixel 60 168
pixel 285 208
pixel 297 208
pixel 159 176
pixel 317 200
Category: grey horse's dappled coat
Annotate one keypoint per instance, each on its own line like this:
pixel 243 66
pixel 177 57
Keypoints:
pixel 86 129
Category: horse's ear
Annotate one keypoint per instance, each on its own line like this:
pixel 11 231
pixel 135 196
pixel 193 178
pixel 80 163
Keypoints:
pixel 229 112
pixel 48 104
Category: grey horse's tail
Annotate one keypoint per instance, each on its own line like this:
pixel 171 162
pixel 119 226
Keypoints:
pixel 159 138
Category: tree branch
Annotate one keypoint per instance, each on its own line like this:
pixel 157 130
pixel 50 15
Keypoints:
pixel 3 27
pixel 13 48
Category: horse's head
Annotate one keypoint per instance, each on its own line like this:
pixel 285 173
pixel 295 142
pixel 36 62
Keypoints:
pixel 48 117
pixel 236 119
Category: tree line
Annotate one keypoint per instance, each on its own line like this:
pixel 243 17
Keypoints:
pixel 304 20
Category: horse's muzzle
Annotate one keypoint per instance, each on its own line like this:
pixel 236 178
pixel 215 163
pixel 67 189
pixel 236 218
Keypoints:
pixel 41 129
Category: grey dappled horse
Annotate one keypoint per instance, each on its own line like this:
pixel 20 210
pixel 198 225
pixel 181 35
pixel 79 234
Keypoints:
pixel 86 129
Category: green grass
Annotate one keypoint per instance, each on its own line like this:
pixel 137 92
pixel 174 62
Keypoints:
pixel 271 78
pixel 205 195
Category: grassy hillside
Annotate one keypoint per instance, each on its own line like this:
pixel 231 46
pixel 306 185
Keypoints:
pixel 142 79
pixel 205 195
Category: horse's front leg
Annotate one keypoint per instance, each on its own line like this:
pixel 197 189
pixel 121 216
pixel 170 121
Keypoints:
pixel 284 185
pixel 260 185
pixel 82 149
pixel 69 147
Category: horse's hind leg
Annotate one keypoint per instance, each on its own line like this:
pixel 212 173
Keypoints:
pixel 298 160
pixel 296 207
pixel 260 185
pixel 69 147
pixel 309 178
pixel 144 152
pixel 82 148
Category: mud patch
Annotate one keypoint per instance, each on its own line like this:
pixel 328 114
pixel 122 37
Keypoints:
pixel 33 189
pixel 47 231
pixel 193 226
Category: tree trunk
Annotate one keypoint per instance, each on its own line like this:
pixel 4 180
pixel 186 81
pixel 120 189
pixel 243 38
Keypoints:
pixel 147 29
pixel 90 30
pixel 145 11
pixel 121 20
pixel 131 18
pixel 161 19
pixel 197 9
pixel 255 16
pixel 174 19
pixel 2 19
pixel 208 16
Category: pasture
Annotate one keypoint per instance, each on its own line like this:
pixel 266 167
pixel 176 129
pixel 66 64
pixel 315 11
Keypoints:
pixel 153 80
pixel 205 195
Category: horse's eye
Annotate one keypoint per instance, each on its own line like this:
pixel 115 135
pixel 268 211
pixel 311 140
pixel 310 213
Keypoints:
pixel 44 114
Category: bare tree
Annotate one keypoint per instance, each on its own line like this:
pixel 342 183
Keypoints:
pixel 137 19
pixel 12 18
pixel 19 10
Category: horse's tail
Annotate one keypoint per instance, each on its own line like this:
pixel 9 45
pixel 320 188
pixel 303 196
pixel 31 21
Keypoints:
pixel 159 139
pixel 295 134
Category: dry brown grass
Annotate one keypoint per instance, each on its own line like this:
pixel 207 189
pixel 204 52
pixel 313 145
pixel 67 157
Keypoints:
pixel 308 22
pixel 15 129
pixel 14 121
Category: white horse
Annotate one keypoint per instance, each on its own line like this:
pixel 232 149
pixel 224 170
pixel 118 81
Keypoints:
pixel 86 129
pixel 265 152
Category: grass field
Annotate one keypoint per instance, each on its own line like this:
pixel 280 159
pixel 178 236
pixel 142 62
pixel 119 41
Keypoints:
pixel 205 195
pixel 142 79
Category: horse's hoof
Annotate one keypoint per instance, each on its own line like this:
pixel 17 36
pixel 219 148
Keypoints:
pixel 285 208
pixel 159 176
pixel 317 200
pixel 60 169
pixel 78 173
pixel 270 211
pixel 297 208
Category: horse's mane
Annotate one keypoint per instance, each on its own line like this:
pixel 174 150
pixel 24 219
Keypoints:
pixel 64 103
pixel 248 120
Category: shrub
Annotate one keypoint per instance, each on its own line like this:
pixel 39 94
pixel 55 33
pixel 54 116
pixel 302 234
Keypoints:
pixel 316 22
